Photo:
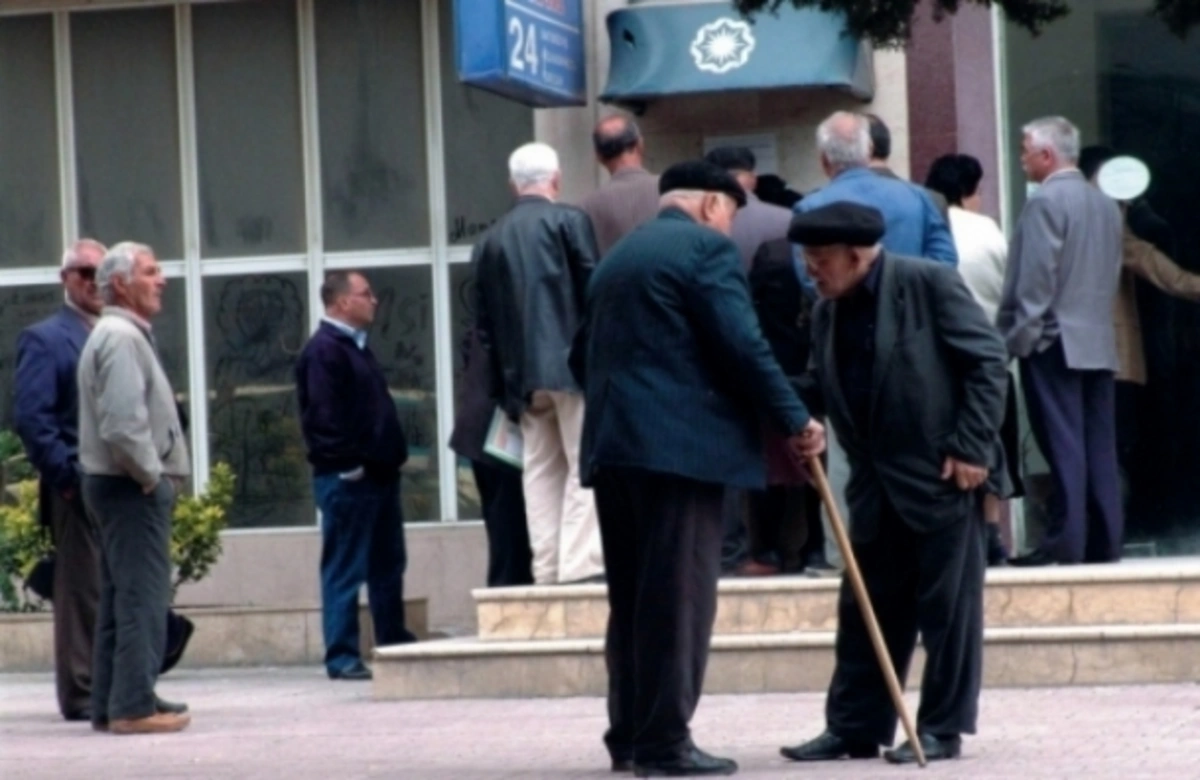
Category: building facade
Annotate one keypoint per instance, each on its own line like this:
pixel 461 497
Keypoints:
pixel 257 144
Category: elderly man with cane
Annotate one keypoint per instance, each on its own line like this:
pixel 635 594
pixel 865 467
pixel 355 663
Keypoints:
pixel 912 377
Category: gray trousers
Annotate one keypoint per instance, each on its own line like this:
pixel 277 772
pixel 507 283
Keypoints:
pixel 135 592
pixel 76 597
pixel 837 469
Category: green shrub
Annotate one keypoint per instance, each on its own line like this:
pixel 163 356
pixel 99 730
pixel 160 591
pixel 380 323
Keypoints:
pixel 195 531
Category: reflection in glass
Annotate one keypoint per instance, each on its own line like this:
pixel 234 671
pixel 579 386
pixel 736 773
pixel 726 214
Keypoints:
pixel 126 128
pixel 369 87
pixel 481 131
pixel 462 315
pixel 1127 83
pixel 254 328
pixel 248 129
pixel 30 222
pixel 402 340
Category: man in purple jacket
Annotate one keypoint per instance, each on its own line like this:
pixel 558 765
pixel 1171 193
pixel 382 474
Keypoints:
pixel 356 449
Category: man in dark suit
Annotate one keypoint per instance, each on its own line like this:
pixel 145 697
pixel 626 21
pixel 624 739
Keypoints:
pixel 912 377
pixel 501 494
pixel 46 411
pixel 678 378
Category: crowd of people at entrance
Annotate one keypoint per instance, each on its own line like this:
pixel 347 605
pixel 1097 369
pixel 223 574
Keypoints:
pixel 650 379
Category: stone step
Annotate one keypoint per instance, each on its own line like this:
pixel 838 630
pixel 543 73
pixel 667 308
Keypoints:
pixel 783 663
pixel 1132 593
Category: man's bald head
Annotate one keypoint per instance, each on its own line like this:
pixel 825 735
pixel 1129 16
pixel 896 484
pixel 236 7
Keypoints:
pixel 844 141
pixel 618 143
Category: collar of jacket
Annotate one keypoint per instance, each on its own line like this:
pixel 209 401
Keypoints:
pixel 630 172
pixel 674 212
pixel 122 312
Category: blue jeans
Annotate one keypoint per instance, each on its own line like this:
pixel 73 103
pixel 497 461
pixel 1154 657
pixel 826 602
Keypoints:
pixel 362 540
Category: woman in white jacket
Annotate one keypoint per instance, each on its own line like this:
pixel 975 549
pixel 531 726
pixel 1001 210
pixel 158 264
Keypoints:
pixel 982 258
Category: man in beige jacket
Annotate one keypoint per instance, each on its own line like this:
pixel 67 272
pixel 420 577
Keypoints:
pixel 134 459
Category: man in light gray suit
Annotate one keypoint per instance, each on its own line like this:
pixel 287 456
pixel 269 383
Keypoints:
pixel 135 459
pixel 630 196
pixel 1056 315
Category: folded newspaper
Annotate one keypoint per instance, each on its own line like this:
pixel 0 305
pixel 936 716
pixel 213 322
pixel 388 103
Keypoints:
pixel 504 441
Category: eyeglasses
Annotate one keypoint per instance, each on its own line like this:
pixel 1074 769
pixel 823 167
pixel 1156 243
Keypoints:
pixel 367 294
pixel 88 274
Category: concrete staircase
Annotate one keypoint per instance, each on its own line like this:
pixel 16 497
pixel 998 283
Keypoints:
pixel 1135 622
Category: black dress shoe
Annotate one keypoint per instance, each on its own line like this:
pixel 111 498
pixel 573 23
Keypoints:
pixel 830 747
pixel 1035 558
pixel 622 765
pixel 172 707
pixel 692 762
pixel 936 749
pixel 355 672
pixel 84 714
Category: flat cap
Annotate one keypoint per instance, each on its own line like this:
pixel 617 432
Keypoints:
pixel 700 175
pixel 841 222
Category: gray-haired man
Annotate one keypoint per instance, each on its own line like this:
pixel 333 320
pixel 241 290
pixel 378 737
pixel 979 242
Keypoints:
pixel 134 459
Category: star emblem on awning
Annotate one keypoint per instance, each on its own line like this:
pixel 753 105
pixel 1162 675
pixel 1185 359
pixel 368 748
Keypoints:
pixel 723 45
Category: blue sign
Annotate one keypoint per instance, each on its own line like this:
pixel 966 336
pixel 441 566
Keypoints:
pixel 529 50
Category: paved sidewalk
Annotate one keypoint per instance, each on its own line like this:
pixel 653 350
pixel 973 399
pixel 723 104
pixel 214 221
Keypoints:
pixel 295 724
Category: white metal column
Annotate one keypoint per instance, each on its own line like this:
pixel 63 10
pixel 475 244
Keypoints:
pixel 444 350
pixel 64 99
pixel 310 132
pixel 190 181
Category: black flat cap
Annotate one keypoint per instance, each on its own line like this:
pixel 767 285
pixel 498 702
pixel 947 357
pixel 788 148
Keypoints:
pixel 837 223
pixel 700 175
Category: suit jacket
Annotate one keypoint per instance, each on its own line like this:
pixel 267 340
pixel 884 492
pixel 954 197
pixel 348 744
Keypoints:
pixel 938 388
pixel 677 374
pixel 46 403
pixel 531 270
pixel 626 200
pixel 1064 263
pixel 757 223
pixel 128 421
pixel 1141 260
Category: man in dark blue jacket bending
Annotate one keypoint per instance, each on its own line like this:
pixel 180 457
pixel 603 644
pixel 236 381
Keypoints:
pixel 679 382
pixel 356 449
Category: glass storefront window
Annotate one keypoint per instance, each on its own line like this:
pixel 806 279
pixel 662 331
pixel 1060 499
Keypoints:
pixel 462 314
pixel 248 129
pixel 20 307
pixel 255 327
pixel 481 131
pixel 371 98
pixel 402 340
pixel 1117 73
pixel 126 121
pixel 30 219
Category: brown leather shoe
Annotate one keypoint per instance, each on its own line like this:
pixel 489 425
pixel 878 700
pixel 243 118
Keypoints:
pixel 158 723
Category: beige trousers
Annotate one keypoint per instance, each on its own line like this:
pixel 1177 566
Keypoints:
pixel 563 528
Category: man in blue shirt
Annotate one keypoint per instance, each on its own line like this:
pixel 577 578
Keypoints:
pixel 914 227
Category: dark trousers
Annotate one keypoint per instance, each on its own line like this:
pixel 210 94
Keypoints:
pixel 735 543
pixel 662 553
pixel 930 583
pixel 777 526
pixel 135 592
pixel 362 541
pixel 502 499
pixel 1073 416
pixel 76 599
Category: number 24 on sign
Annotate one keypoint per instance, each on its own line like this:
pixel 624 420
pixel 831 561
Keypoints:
pixel 524 50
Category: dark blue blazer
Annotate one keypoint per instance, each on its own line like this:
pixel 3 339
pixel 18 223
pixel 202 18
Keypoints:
pixel 677 375
pixel 46 404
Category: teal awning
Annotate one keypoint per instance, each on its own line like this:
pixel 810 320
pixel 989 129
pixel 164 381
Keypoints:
pixel 690 48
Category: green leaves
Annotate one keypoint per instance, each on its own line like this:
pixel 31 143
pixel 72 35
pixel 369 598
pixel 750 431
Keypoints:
pixel 888 23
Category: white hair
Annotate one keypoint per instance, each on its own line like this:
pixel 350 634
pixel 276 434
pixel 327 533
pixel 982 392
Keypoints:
pixel 675 196
pixel 1056 134
pixel 532 164
pixel 844 140
pixel 119 261
pixel 71 256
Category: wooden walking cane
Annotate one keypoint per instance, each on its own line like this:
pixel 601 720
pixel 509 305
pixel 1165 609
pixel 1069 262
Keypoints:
pixel 864 603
